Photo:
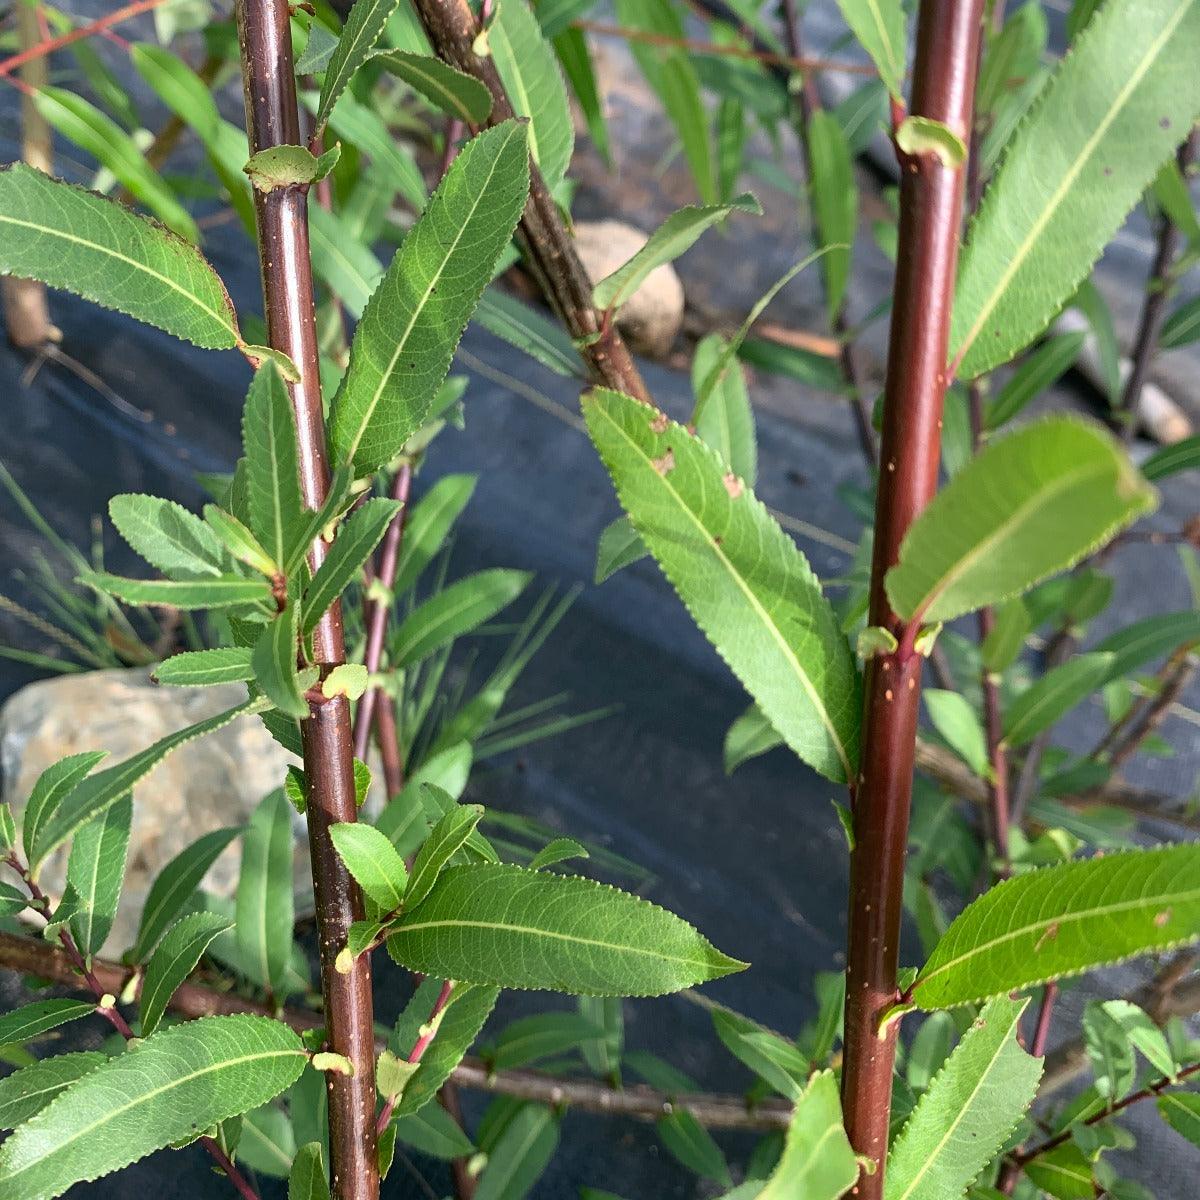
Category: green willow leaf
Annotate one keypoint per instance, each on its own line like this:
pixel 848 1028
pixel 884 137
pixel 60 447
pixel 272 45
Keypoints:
pixel 99 791
pixel 96 871
pixel 53 786
pixel 748 737
pixel 168 537
pixel 1170 460
pixel 454 611
pixel 1037 373
pixel 1116 107
pixel 354 544
pixel 511 927
pixel 743 580
pixel 1062 921
pixel 202 668
pixel 429 521
pixel 307 1180
pixel 971 1106
pixel 1064 1173
pixel 542 1036
pixel 453 91
pixel 723 417
pixel 274 661
pixel 403 345
pixel 619 545
pixel 522 326
pixel 880 27
pixel 29 1090
pixel 520 1154
pixel 272 470
pixel 1054 695
pixel 817 1162
pixel 239 541
pixel 529 71
pixel 175 885
pixel 770 1056
pixel 217 591
pixel 174 960
pixel 575 58
pixel 362 30
pixel 183 1079
pixel 679 232
pixel 834 197
pixel 265 907
pixel 694 1146
pixel 1150 639
pixel 1182 1112
pixel 1182 327
pixel 958 722
pixel 373 861
pixel 1029 505
pixel 434 1131
pixel 32 1020
pixel 85 125
pixel 72 239
pixel 443 842
pixel 459 1027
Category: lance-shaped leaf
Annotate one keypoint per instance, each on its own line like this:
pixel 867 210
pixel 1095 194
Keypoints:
pixel 434 1131
pixel 219 591
pixel 1062 921
pixel 32 1020
pixel 453 91
pixel 879 26
pixel 530 74
pixel 406 338
pixel 362 30
pixel 972 1105
pixel 373 861
pixel 174 886
pixel 817 1161
pixel 265 906
pixel 96 871
pixel 723 416
pixel 1030 505
pixel 1036 373
pixel 168 537
pixel 834 197
pixel 202 668
pixel 1144 641
pixel 694 1146
pixel 1170 460
pixel 174 960
pixel 53 785
pixel 429 521
pixel 454 611
pixel 743 580
pixel 30 1089
pixel 957 721
pixel 679 232
pixel 239 541
pixel 520 1154
pixel 542 1036
pixel 619 546
pixel 182 1080
pixel 354 544
pixel 748 737
pixel 307 1179
pixel 72 239
pixel 443 842
pixel 97 792
pixel 459 1027
pixel 523 326
pixel 765 1052
pixel 85 125
pixel 1117 106
pixel 1182 1112
pixel 274 660
pixel 507 926
pixel 272 471
pixel 1054 695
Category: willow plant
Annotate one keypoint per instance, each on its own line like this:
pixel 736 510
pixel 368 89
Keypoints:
pixel 334 430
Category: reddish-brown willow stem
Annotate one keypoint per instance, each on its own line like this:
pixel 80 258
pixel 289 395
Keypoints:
pixel 272 119
pixel 1154 308
pixel 33 956
pixel 379 609
pixel 547 245
pixel 931 195
pixel 100 25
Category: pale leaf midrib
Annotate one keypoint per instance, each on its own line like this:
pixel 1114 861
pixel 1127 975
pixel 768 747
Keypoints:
pixel 776 632
pixel 145 1097
pixel 1173 897
pixel 1017 260
pixel 533 931
pixel 222 320
pixel 959 1117
pixel 419 308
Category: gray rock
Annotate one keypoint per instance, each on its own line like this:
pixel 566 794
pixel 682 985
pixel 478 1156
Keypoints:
pixel 213 782
pixel 651 318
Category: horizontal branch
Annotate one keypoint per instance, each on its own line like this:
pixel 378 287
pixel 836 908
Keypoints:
pixel 32 956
